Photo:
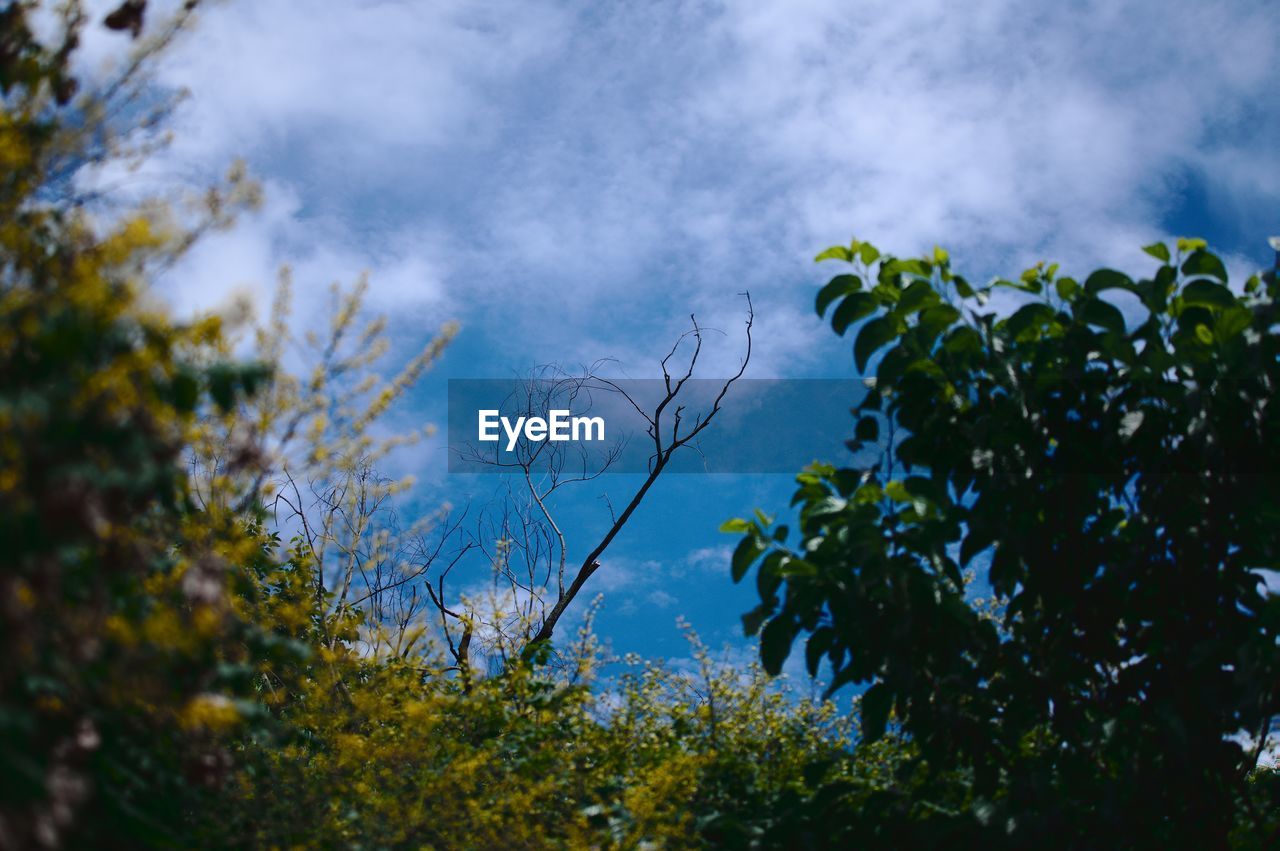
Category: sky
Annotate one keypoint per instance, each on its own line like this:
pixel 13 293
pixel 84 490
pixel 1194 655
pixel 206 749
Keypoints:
pixel 571 180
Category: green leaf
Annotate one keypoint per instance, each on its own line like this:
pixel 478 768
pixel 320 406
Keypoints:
pixel 920 486
pixel 185 390
pixel 916 297
pixel 1066 287
pixel 775 643
pixel 797 567
pixel 1028 316
pixel 892 268
pixel 1231 322
pixel 1107 279
pixel 963 340
pixel 934 320
pixel 867 253
pixel 1204 335
pixel 1202 262
pixel 855 306
pixel 835 252
pixel 1187 245
pixel 873 336
pixel 840 285
pixel 819 642
pixel 769 576
pixel 255 375
pixel 736 526
pixel 892 365
pixel 222 386
pixel 1095 311
pixel 868 429
pixel 1158 250
pixel 751 620
pixel 868 494
pixel 1208 294
pixel 1033 286
pixel 747 551
pixel 876 703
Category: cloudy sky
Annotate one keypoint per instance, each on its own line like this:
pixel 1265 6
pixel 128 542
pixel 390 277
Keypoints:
pixel 571 180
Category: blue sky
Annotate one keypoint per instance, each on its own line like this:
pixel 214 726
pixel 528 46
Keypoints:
pixel 571 180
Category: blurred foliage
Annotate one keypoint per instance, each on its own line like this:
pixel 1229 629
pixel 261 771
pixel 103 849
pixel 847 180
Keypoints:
pixel 1115 480
pixel 117 624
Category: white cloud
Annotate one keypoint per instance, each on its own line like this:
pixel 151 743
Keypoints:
pixel 577 178
pixel 662 599
pixel 706 561
pixel 349 86
pixel 768 130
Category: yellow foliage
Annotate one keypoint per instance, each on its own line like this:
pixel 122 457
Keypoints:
pixel 213 712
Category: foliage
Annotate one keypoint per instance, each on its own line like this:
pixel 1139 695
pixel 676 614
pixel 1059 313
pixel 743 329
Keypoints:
pixel 400 756
pixel 1114 476
pixel 120 637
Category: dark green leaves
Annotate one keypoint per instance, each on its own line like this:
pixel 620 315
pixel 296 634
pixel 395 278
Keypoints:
pixel 874 335
pixel 185 389
pixel 853 308
pixel 222 384
pixel 837 287
pixel 935 320
pixel 1231 322
pixel 775 643
pixel 876 701
pixel 917 296
pixel 963 340
pixel 225 380
pixel 752 620
pixel 1029 316
pixel 1107 279
pixel 1207 294
pixel 1201 262
pixel 747 551
pixel 1111 489
pixel 1095 311
pixel 818 644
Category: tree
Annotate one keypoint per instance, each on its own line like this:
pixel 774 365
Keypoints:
pixel 1113 480
pixel 122 641
pixel 531 567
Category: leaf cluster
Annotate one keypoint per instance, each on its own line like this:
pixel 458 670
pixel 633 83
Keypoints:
pixel 1111 475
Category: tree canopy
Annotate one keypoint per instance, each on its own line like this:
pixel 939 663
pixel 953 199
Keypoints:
pixel 1103 454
